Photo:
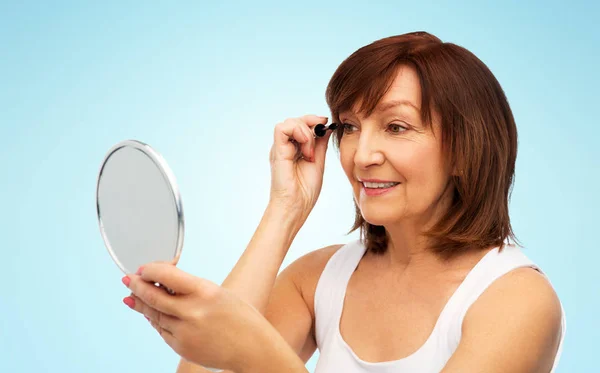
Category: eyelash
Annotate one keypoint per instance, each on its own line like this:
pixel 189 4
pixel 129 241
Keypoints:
pixel 404 128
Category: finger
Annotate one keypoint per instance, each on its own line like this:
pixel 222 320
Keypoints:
pixel 170 276
pixel 312 120
pixel 163 320
pixel 288 135
pixel 165 325
pixel 153 296
pixel 306 149
pixel 156 327
pixel 133 302
pixel 321 148
pixel 166 335
pixel 298 130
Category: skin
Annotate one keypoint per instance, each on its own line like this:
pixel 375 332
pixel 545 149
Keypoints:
pixel 393 300
pixel 196 315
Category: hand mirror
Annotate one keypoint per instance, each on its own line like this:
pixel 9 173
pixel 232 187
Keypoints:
pixel 139 208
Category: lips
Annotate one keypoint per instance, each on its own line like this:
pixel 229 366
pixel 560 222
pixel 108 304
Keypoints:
pixel 372 185
pixel 379 189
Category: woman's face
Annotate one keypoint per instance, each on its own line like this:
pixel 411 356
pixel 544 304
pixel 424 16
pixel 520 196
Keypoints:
pixel 393 145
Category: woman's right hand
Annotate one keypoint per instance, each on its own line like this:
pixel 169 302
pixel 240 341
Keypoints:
pixel 297 164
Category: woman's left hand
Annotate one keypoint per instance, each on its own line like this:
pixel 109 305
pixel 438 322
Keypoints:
pixel 203 322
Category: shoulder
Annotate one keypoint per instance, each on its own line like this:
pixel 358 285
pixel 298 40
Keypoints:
pixel 306 271
pixel 522 291
pixel 520 314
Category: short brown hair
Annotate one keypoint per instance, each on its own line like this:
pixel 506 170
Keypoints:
pixel 479 134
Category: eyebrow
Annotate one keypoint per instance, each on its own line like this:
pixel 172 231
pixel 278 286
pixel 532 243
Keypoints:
pixel 382 107
pixel 390 104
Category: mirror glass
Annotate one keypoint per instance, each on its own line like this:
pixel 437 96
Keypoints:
pixel 139 207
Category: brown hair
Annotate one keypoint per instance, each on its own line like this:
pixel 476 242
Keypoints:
pixel 479 135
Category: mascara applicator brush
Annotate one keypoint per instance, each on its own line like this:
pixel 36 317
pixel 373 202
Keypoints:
pixel 321 129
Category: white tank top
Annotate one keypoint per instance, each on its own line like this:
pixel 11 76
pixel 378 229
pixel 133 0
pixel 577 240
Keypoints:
pixel 337 356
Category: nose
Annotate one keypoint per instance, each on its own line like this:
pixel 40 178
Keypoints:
pixel 368 152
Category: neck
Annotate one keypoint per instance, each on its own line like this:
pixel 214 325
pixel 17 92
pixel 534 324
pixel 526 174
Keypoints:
pixel 408 247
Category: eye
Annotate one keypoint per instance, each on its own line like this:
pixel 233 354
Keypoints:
pixel 396 128
pixel 348 128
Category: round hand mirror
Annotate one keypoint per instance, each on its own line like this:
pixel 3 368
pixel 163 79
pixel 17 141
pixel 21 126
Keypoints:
pixel 139 208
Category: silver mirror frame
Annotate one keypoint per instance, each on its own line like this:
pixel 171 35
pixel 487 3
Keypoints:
pixel 169 177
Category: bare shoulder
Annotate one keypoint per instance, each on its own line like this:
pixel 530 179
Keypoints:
pixel 520 314
pixel 306 271
pixel 523 290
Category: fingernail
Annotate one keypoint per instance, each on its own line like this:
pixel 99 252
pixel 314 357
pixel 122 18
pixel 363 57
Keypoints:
pixel 126 280
pixel 130 302
pixel 147 318
pixel 139 271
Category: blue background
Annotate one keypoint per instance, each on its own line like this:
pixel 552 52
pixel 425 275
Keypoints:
pixel 205 84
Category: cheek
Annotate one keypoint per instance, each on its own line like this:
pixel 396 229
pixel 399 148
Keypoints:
pixel 408 161
pixel 347 159
pixel 417 162
pixel 424 177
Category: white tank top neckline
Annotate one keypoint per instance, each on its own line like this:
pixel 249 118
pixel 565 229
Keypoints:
pixel 337 356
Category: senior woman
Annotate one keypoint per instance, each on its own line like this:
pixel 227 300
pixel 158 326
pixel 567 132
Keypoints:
pixel 428 142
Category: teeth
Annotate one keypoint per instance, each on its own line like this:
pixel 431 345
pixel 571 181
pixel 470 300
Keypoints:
pixel 379 185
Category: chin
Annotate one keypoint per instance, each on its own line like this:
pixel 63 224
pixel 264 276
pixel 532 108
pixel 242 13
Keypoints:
pixel 380 215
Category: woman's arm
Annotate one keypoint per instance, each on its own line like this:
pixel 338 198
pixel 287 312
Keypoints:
pixel 513 327
pixel 275 356
pixel 297 164
pixel 253 276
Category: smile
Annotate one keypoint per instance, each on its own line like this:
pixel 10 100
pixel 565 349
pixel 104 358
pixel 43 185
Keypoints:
pixel 377 189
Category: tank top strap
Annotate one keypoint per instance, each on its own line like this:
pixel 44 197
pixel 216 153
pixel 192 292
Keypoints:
pixel 331 288
pixel 492 266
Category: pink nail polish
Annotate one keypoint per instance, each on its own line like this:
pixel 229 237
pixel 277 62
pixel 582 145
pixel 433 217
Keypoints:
pixel 130 302
pixel 139 271
pixel 126 280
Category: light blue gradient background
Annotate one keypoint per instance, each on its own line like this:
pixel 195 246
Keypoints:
pixel 205 85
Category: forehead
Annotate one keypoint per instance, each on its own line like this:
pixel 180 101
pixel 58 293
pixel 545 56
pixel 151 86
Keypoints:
pixel 405 87
pixel 404 90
